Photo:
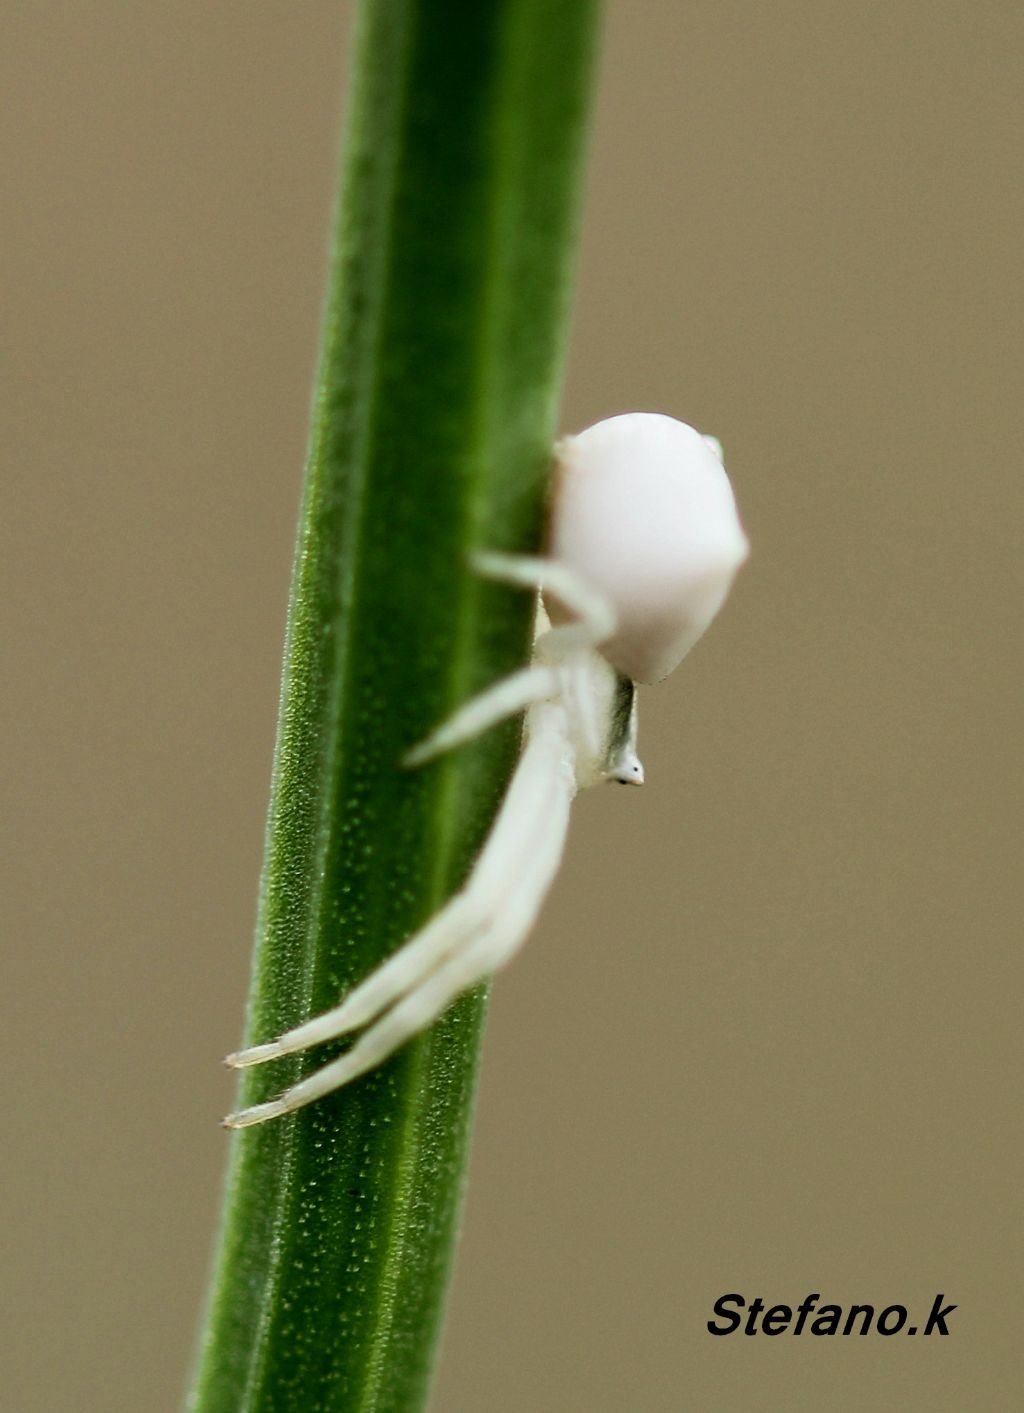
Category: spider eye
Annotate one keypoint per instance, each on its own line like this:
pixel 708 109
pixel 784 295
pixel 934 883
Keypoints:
pixel 629 775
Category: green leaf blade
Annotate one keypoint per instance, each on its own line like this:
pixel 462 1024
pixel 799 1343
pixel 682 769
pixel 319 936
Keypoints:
pixel 432 423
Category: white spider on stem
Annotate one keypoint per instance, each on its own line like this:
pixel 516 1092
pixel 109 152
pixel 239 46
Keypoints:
pixel 644 542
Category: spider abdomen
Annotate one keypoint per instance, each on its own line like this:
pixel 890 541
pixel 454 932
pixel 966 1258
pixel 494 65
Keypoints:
pixel 643 510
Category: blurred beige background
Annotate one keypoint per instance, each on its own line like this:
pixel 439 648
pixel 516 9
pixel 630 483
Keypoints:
pixel 776 992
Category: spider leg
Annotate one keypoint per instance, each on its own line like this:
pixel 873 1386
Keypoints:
pixel 511 838
pixel 504 699
pixel 594 621
pixel 502 927
pixel 405 968
pixel 459 918
pixel 593 616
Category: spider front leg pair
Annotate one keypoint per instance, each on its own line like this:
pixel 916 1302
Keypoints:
pixel 576 731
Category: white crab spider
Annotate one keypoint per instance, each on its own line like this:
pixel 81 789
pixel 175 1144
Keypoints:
pixel 643 546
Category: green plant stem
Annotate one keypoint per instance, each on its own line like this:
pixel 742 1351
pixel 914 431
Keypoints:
pixel 433 418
